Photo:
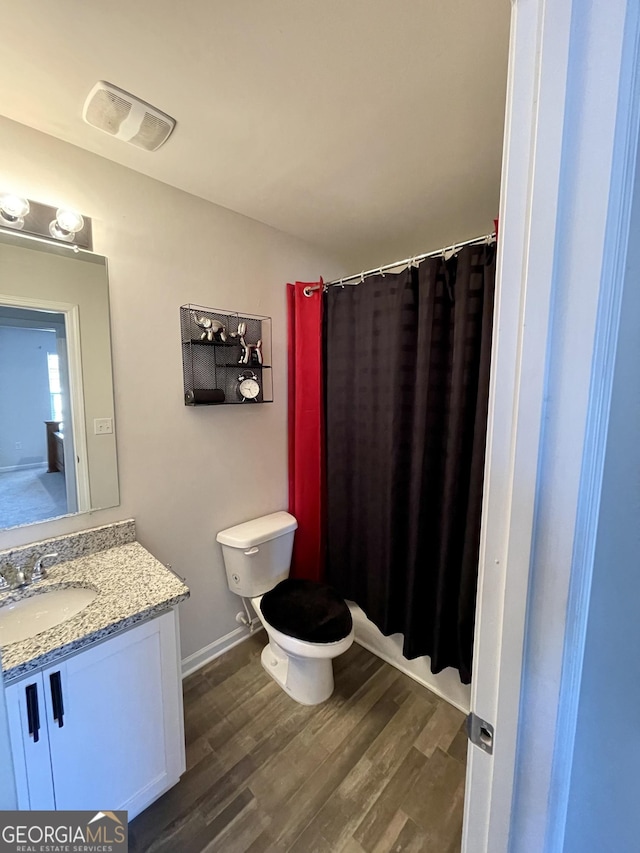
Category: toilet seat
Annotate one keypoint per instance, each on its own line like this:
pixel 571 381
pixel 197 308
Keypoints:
pixel 303 648
pixel 306 610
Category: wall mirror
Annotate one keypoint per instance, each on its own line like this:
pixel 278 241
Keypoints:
pixel 57 432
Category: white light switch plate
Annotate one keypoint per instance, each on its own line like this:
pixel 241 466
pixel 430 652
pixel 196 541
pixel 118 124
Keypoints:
pixel 102 426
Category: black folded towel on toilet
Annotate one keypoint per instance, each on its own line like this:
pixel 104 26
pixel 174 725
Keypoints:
pixel 307 611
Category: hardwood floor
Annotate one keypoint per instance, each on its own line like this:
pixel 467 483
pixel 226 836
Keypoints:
pixel 379 767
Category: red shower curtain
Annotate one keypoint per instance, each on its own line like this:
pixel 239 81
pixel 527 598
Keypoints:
pixel 306 429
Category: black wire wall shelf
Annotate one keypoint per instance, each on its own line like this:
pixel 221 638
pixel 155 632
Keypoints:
pixel 226 357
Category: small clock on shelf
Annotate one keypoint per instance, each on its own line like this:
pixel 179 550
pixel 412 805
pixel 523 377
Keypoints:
pixel 248 386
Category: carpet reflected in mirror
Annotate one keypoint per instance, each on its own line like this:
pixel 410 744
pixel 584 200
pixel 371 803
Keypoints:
pixel 30 495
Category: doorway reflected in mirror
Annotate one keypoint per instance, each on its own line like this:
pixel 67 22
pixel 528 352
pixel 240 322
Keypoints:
pixel 34 384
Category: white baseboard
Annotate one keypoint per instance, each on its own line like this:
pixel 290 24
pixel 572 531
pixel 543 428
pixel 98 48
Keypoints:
pixel 9 468
pixel 445 684
pixel 203 656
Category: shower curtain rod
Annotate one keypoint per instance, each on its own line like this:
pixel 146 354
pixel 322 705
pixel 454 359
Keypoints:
pixel 486 238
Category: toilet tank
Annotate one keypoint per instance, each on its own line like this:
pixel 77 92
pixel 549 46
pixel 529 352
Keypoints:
pixel 257 553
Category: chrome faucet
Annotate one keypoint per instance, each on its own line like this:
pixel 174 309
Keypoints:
pixel 11 578
pixel 20 580
pixel 38 572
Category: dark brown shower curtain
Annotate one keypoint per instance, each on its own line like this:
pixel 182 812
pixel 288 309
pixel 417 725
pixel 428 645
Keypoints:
pixel 407 377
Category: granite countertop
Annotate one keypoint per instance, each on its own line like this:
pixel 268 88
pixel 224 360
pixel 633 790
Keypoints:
pixel 132 586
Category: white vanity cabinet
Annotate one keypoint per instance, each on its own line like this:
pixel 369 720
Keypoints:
pixel 103 729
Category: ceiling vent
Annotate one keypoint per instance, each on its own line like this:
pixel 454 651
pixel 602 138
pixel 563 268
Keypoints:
pixel 126 117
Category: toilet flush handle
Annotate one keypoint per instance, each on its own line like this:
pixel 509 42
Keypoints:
pixel 251 552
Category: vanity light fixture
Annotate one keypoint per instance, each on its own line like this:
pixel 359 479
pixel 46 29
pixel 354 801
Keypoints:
pixel 60 225
pixel 13 210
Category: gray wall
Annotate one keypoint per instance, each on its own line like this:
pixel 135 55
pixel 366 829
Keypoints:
pixel 603 809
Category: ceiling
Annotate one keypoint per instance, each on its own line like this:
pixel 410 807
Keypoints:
pixel 370 127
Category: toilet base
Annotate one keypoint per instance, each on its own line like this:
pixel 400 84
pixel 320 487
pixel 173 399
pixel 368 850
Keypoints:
pixel 307 680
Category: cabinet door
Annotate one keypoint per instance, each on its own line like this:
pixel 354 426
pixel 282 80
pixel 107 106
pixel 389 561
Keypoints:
pixel 115 721
pixel 30 743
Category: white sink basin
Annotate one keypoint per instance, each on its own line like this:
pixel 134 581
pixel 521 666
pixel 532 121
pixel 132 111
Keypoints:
pixel 27 617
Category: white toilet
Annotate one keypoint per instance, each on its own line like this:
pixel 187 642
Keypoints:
pixel 311 623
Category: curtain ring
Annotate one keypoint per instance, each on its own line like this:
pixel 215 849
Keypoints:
pixel 307 291
pixel 362 277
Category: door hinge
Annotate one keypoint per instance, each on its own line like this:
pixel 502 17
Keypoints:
pixel 480 733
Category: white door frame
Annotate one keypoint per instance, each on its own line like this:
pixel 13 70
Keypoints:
pixel 571 123
pixel 71 315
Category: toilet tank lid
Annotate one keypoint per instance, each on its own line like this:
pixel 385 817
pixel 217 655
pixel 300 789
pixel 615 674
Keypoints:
pixel 258 530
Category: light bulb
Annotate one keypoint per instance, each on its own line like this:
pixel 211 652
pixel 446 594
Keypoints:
pixel 13 209
pixel 13 205
pixel 66 224
pixel 69 220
